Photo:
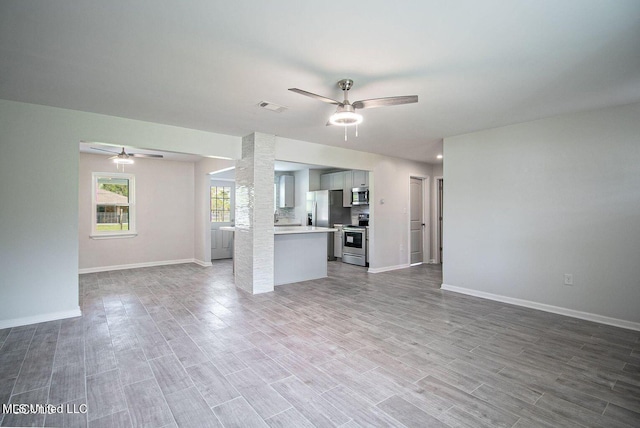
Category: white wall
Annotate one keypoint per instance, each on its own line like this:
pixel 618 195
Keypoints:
pixel 164 215
pixel 39 160
pixel 527 203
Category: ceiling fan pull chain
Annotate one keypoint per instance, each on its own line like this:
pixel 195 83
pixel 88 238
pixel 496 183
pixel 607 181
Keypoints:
pixel 356 129
pixel 345 133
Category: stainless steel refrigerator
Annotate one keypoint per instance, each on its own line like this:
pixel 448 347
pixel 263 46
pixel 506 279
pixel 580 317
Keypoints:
pixel 324 209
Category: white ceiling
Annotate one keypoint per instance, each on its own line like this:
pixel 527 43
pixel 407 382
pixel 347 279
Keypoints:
pixel 207 64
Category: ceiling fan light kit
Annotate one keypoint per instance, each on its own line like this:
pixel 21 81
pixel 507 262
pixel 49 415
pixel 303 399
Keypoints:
pixel 345 114
pixel 123 160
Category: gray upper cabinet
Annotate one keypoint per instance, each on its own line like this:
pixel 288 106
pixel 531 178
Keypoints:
pixel 346 192
pixel 360 179
pixel 337 181
pixel 325 182
pixel 345 181
pixel 287 191
pixel 332 181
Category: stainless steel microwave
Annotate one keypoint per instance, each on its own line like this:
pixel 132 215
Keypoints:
pixel 360 196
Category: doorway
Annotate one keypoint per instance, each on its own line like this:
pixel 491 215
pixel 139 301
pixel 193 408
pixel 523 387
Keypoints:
pixel 222 203
pixel 440 196
pixel 416 221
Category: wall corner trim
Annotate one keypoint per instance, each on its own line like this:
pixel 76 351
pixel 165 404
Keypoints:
pixel 544 307
pixel 51 316
pixel 388 268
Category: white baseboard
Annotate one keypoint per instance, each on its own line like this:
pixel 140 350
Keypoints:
pixel 388 268
pixel 544 307
pixel 52 316
pixel 432 261
pixel 141 265
pixel 202 263
pixel 415 264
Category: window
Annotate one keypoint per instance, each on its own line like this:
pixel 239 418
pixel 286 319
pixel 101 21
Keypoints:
pixel 113 205
pixel 220 204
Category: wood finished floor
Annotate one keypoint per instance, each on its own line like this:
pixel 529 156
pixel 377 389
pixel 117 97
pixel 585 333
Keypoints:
pixel 181 346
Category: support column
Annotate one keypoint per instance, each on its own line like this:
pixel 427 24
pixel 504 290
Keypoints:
pixel 254 214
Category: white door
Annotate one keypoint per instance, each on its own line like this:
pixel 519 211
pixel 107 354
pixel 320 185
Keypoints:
pixel 416 221
pixel 222 202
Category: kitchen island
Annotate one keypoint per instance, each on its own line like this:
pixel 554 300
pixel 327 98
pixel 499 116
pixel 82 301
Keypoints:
pixel 299 252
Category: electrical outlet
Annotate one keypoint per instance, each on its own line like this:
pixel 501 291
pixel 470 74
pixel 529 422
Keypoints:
pixel 568 279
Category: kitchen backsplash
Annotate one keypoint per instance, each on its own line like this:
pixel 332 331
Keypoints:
pixel 362 209
pixel 287 215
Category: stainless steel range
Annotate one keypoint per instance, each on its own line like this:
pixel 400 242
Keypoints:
pixel 354 245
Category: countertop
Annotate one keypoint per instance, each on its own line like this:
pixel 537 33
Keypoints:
pixel 288 230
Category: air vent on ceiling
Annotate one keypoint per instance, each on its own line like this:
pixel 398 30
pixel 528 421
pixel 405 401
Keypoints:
pixel 272 107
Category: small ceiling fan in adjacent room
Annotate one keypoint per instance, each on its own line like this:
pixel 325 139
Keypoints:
pixel 345 114
pixel 123 158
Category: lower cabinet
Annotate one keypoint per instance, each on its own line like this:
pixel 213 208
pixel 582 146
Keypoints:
pixel 337 242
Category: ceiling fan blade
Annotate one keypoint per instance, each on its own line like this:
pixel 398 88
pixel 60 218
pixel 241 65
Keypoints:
pixel 102 150
pixel 383 102
pixel 316 96
pixel 143 155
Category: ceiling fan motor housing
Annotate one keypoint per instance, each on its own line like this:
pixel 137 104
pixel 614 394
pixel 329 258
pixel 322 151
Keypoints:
pixel 345 84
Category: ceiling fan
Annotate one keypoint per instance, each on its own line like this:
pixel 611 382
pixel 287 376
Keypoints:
pixel 345 114
pixel 126 158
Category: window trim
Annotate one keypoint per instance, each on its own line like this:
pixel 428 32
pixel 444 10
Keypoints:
pixel 211 186
pixel 132 232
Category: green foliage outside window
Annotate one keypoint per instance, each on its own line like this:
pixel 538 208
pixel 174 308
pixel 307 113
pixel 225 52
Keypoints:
pixel 220 204
pixel 119 189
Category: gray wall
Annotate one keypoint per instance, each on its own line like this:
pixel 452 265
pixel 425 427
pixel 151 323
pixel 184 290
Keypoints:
pixel 527 203
pixel 39 212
